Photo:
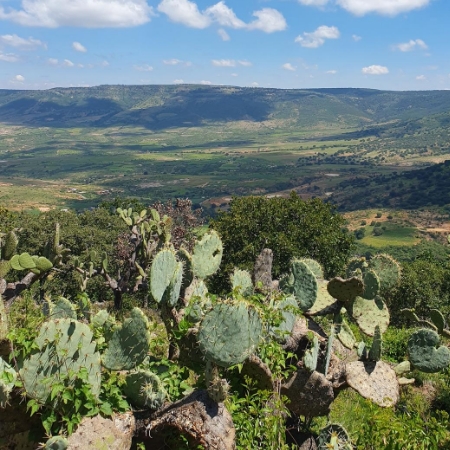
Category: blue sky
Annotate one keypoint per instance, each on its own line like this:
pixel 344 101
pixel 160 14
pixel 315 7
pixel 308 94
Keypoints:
pixel 381 44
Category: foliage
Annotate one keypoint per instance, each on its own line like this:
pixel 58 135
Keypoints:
pixel 289 226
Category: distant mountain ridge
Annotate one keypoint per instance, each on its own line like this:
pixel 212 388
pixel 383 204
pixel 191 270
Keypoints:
pixel 165 106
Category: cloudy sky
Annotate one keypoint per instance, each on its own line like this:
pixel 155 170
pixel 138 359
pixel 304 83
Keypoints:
pixel 381 44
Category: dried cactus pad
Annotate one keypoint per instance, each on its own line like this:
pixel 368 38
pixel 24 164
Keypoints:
pixel 369 314
pixel 229 333
pixel 374 381
pixel 387 269
pixel 302 283
pixel 129 343
pixel 423 353
pixel 207 255
pixel 65 347
pixel 345 290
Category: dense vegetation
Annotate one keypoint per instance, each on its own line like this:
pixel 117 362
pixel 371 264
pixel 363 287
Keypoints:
pixel 136 247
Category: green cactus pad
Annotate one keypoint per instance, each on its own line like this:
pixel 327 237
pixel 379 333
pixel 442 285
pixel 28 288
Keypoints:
pixel 334 437
pixel 10 245
pixel 345 290
pixel 287 307
pixel 229 333
pixel 387 269
pixel 8 378
pixel 375 350
pixel 355 264
pixel 241 281
pixel 43 264
pixel 172 293
pixel 207 255
pixel 369 314
pixel 104 322
pixel 3 320
pixel 423 353
pixel 162 273
pixel 5 267
pixel 302 283
pixel 311 355
pixel 402 368
pixel 144 389
pixel 129 344
pixel 56 443
pixel 63 309
pixel 410 314
pixel 371 285
pixel 26 261
pixel 188 270
pixel 314 266
pixel 196 296
pixel 438 320
pixel 345 335
pixel 65 347
pixel 324 301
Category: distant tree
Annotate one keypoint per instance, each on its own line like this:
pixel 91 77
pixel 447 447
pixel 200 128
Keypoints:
pixel 289 226
pixel 360 233
pixel 377 231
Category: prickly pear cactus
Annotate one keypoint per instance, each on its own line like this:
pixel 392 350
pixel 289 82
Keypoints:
pixel 9 245
pixel 144 389
pixel 369 314
pixel 387 269
pixel 314 266
pixel 129 343
pixel 63 309
pixel 287 307
pixel 345 290
pixel 375 350
pixel 311 355
pixel 3 321
pixel 438 320
pixel 65 347
pixel 56 443
pixel 229 333
pixel 372 285
pixel 207 255
pixel 241 281
pixel 423 353
pixel 162 273
pixel 216 387
pixel 302 283
pixel 334 437
pixel 8 377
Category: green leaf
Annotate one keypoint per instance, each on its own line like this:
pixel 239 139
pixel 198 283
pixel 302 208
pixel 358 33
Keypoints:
pixel 106 409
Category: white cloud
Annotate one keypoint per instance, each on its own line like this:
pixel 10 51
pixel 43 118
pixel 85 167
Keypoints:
pixel 178 81
pixel 317 38
pixel 245 63
pixel 185 12
pixel 268 20
pixel 384 7
pixel 375 70
pixel 288 66
pixel 143 68
pixel 223 34
pixel 205 82
pixel 224 16
pixel 331 72
pixel 356 38
pixel 255 84
pixel 52 61
pixel 8 57
pixel 104 63
pixel 411 45
pixel 19 78
pixel 68 63
pixel 421 77
pixel 13 40
pixel 313 2
pixel 223 62
pixel 80 13
pixel 171 62
pixel 234 74
pixel 79 47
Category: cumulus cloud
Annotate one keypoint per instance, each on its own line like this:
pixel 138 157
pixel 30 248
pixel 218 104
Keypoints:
pixel 318 37
pixel 421 77
pixel 288 66
pixel 384 7
pixel 224 16
pixel 268 20
pixel 12 40
pixel 255 84
pixel 375 70
pixel 79 47
pixel 411 45
pixel 52 61
pixel 68 63
pixel 331 72
pixel 8 57
pixel 313 2
pixel 223 62
pixel 19 78
pixel 356 38
pixel 184 12
pixel 79 13
pixel 143 68
pixel 223 34
pixel 245 63
pixel 206 82
pixel 171 62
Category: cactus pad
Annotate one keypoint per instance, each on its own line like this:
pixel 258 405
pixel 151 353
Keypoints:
pixel 438 320
pixel 314 266
pixel 63 309
pixel 371 285
pixel 345 290
pixel 129 343
pixel 9 246
pixel 369 314
pixel 374 381
pixel 387 269
pixel 241 281
pixel 229 333
pixel 302 283
pixel 287 307
pixel 423 353
pixel 207 255
pixel 355 264
pixel 3 320
pixel 8 377
pixel 334 437
pixel 324 300
pixel 56 443
pixel 162 273
pixel 65 347
pixel 345 335
pixel 144 389
pixel 375 350
pixel 311 355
